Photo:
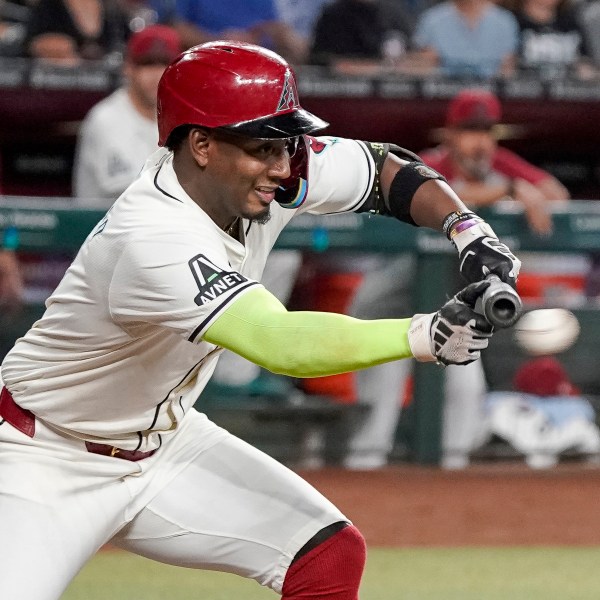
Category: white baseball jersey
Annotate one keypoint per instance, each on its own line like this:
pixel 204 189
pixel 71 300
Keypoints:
pixel 118 356
pixel 113 143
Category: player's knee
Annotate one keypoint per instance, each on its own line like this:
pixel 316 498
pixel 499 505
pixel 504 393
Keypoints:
pixel 331 570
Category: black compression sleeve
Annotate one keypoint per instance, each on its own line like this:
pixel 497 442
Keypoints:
pixel 404 185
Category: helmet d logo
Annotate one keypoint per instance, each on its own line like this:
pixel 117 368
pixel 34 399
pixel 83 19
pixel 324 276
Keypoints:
pixel 289 95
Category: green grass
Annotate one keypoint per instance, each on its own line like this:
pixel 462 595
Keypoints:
pixel 557 573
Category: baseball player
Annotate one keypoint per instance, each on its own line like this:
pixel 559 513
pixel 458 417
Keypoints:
pixel 99 438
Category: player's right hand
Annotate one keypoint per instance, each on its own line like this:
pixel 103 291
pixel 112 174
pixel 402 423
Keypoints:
pixel 455 334
pixel 481 253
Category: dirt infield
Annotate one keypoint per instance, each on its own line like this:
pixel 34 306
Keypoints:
pixel 496 505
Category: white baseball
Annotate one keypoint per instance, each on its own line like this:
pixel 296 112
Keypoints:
pixel 546 331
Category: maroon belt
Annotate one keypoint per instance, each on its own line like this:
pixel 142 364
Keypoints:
pixel 106 450
pixel 18 417
pixel 24 421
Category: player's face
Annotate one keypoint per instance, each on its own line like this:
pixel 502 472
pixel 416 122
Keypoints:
pixel 244 173
pixel 473 152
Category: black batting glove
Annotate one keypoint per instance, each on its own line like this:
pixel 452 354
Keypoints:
pixel 481 253
pixel 455 334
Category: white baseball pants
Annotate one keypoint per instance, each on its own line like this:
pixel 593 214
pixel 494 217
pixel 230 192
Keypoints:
pixel 225 507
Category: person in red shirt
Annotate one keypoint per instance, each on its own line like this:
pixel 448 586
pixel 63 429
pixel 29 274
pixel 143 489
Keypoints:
pixel 483 172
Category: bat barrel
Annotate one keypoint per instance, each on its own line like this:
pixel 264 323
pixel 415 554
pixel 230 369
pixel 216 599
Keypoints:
pixel 500 304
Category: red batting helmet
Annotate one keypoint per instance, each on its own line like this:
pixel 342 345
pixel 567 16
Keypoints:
pixel 240 87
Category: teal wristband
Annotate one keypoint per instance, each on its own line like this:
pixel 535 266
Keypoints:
pixel 10 240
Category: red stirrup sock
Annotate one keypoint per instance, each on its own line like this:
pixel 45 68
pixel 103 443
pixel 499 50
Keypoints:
pixel 331 571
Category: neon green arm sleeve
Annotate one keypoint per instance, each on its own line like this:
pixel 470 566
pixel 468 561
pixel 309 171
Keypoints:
pixel 306 344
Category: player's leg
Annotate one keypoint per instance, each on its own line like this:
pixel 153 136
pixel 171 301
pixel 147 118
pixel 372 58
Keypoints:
pixel 384 293
pixel 463 415
pixel 55 513
pixel 381 388
pixel 234 509
pixel 330 570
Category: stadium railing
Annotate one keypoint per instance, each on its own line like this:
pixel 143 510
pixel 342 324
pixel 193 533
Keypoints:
pixel 48 225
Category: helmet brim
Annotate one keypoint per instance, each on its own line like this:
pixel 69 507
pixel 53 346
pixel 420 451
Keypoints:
pixel 280 126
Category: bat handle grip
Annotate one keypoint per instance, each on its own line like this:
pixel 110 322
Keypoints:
pixel 499 304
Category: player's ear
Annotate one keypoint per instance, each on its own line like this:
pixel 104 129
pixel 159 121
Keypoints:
pixel 198 138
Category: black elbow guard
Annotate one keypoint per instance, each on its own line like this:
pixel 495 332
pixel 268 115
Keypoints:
pixel 404 185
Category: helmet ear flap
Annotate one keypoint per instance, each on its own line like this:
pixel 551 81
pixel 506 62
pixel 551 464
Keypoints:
pixel 292 191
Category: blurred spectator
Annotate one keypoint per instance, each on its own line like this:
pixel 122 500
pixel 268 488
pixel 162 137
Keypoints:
pixel 372 30
pixel 480 171
pixel 120 132
pixel 143 13
pixel 467 38
pixel 70 30
pixel 11 282
pixel 552 42
pixel 482 174
pixel 253 21
pixel 301 16
pixel 11 292
pixel 589 18
pixel 13 18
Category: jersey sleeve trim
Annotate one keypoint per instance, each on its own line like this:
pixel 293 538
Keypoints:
pixel 205 324
pixel 371 178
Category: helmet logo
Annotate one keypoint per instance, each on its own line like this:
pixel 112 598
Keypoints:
pixel 289 95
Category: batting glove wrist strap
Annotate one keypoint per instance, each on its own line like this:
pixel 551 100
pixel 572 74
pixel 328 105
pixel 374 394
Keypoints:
pixel 419 337
pixel 468 235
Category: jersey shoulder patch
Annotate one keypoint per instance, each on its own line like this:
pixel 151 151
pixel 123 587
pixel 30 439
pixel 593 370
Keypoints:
pixel 212 281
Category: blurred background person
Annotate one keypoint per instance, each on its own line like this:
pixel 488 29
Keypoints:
pixel 552 41
pixel 588 15
pixel 372 30
pixel 14 16
pixel 467 38
pixel 252 21
pixel 301 16
pixel 11 284
pixel 11 295
pixel 482 174
pixel 11 280
pixel 70 30
pixel 481 171
pixel 120 132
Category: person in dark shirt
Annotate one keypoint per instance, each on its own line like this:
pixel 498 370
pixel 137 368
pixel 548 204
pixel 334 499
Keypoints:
pixel 551 40
pixel 359 29
pixel 71 30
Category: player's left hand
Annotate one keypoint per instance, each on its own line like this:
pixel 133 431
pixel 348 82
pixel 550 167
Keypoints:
pixel 454 335
pixel 481 253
